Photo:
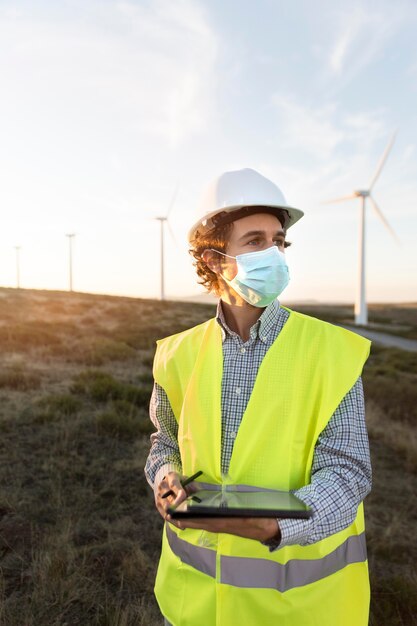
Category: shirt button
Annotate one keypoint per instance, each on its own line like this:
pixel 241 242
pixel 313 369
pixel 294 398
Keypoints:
pixel 238 390
pixel 265 337
pixel 242 350
pixel 232 435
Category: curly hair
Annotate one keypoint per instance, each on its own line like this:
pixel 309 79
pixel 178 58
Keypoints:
pixel 218 237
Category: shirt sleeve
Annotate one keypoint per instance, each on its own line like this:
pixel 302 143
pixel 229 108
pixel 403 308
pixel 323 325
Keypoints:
pixel 164 455
pixel 341 475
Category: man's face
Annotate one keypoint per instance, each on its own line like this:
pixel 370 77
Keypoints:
pixel 251 234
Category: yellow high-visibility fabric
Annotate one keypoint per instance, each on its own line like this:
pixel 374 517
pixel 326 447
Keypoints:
pixel 302 379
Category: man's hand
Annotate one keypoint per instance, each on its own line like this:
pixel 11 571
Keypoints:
pixel 258 528
pixel 171 482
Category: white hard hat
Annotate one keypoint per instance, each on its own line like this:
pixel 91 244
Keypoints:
pixel 236 189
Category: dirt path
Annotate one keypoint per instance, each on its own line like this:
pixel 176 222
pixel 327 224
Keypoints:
pixel 385 339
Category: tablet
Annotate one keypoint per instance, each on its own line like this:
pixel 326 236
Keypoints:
pixel 209 503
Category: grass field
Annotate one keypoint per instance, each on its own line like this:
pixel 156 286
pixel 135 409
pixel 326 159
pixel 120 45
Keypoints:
pixel 79 536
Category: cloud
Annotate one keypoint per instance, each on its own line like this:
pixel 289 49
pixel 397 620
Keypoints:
pixel 320 130
pixel 343 44
pixel 311 129
pixel 181 51
pixel 361 36
pixel 330 152
pixel 149 67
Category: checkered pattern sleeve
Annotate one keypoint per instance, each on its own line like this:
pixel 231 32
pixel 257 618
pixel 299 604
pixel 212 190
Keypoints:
pixel 341 475
pixel 164 455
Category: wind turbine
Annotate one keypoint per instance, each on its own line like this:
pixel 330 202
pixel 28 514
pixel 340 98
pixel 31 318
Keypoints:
pixel 361 311
pixel 17 248
pixel 70 238
pixel 162 220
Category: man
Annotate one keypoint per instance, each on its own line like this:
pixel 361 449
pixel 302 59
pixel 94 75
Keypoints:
pixel 264 396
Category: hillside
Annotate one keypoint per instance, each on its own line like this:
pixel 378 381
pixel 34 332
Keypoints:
pixel 79 536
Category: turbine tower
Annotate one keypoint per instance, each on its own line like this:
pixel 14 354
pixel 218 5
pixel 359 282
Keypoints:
pixel 17 248
pixel 361 311
pixel 70 238
pixel 162 220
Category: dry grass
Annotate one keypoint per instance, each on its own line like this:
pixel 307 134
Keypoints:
pixel 18 377
pixel 396 319
pixel 398 436
pixel 79 537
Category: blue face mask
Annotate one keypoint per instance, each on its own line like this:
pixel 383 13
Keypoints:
pixel 261 275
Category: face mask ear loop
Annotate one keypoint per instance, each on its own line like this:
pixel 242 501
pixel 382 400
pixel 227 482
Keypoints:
pixel 230 257
pixel 218 252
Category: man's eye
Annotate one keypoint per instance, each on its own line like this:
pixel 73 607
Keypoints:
pixel 255 241
pixel 279 242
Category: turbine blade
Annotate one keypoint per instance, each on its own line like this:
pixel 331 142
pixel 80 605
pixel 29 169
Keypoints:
pixel 174 196
pixel 171 232
pixel 382 218
pixel 382 161
pixel 341 199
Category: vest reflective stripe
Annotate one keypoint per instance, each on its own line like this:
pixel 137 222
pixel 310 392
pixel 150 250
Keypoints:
pixel 265 574
pixel 202 559
pixel 261 573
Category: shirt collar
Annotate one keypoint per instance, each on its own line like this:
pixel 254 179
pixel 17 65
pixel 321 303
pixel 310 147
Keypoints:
pixel 262 328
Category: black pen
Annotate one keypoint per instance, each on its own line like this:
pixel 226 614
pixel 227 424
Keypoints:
pixel 184 484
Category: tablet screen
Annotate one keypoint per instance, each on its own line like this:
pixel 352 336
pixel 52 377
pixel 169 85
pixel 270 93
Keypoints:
pixel 208 503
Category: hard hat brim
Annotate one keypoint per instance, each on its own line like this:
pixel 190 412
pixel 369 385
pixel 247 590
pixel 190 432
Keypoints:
pixel 206 223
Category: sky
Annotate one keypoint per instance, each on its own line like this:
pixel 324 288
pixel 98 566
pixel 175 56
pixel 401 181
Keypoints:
pixel 107 107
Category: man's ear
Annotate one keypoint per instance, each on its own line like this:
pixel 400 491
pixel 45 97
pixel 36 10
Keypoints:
pixel 211 259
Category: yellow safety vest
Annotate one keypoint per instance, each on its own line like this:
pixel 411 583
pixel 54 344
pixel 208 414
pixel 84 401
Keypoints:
pixel 218 579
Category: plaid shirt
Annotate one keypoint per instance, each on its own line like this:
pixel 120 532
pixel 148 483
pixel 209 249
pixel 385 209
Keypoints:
pixel 341 472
